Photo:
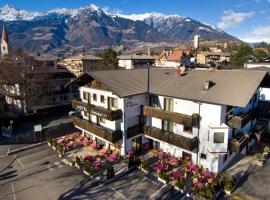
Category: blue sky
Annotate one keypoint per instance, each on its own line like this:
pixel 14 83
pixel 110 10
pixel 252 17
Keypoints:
pixel 246 19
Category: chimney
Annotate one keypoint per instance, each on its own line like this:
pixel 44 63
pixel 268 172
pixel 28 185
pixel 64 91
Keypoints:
pixel 208 84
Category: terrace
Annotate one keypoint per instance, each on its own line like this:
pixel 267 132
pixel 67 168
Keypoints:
pixel 241 119
pixel 239 143
pixel 172 138
pixel 187 120
pixel 111 136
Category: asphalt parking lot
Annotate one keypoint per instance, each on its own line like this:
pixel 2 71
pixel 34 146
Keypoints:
pixel 39 174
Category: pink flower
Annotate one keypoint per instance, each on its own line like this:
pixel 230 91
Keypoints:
pixel 130 154
pixel 176 175
pixel 89 158
pixel 160 167
pixel 103 151
pixel 146 146
pixel 93 145
pixel 173 161
pixel 85 141
pixel 199 185
pixel 208 175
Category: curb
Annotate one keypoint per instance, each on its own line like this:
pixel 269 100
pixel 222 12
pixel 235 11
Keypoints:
pixel 25 148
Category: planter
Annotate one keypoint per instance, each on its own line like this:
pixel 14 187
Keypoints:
pixel 178 189
pixel 228 192
pixel 54 148
pixel 49 144
pixel 86 173
pixel 162 180
pixel 78 166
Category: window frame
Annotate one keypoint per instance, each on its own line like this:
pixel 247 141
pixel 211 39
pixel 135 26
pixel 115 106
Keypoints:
pixel 215 140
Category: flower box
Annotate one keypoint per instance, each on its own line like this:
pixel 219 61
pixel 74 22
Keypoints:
pixel 162 180
pixel 49 144
pixel 78 166
pixel 86 173
pixel 178 189
pixel 54 148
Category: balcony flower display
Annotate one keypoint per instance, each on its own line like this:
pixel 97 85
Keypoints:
pixel 188 166
pixel 130 154
pixel 194 168
pixel 69 146
pixel 161 154
pixel 89 158
pixel 61 141
pixel 85 142
pixel 93 145
pixel 103 151
pixel 160 167
pixel 97 164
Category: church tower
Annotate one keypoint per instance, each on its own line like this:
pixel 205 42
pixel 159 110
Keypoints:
pixel 4 42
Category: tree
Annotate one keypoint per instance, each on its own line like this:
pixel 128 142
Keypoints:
pixel 205 48
pixel 241 53
pixel 259 53
pixel 110 60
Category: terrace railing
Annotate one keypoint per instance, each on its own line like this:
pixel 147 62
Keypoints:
pixel 174 117
pixel 111 136
pixel 172 138
pixel 111 115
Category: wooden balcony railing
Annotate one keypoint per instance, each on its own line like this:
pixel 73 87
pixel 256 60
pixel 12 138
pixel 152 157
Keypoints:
pixel 111 136
pixel 241 119
pixel 172 138
pixel 174 117
pixel 111 115
pixel 135 130
pixel 237 145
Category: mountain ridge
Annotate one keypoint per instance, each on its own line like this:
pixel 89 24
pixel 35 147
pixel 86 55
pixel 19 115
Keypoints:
pixel 89 28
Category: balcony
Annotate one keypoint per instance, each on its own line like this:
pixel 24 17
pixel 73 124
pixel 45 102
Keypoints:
pixel 111 136
pixel 186 120
pixel 111 115
pixel 241 119
pixel 172 138
pixel 238 144
pixel 134 131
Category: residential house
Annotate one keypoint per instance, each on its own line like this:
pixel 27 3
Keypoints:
pixel 81 63
pixel 173 59
pixel 207 116
pixel 134 61
pixel 215 57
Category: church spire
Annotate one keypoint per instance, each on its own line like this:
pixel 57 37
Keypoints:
pixel 4 33
pixel 4 42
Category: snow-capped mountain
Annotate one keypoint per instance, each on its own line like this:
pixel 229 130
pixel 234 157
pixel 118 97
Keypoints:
pixel 91 27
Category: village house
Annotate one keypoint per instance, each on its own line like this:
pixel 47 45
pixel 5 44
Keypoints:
pixel 207 116
pixel 81 63
pixel 134 61
pixel 215 57
pixel 173 59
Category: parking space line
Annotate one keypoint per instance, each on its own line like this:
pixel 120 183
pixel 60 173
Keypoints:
pixel 121 195
pixel 19 161
pixel 13 191
pixel 157 191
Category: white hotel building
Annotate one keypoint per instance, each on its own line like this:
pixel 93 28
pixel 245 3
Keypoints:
pixel 207 116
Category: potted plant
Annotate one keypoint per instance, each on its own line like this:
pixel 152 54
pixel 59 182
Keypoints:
pixel 87 168
pixel 260 159
pixel 49 141
pixel 78 162
pixel 163 177
pixel 266 150
pixel 228 182
pixel 146 166
pixel 180 184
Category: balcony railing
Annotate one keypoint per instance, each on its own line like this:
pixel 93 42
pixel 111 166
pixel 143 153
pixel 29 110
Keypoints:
pixel 172 138
pixel 134 130
pixel 111 136
pixel 111 115
pixel 174 117
pixel 237 145
pixel 241 119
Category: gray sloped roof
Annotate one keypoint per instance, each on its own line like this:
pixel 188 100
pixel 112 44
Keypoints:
pixel 123 82
pixel 231 87
pixel 136 57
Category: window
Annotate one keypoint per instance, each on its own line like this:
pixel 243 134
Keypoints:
pixel 154 101
pixel 102 99
pixel 114 102
pixel 203 156
pixel 168 104
pixel 85 95
pixel 167 126
pixel 95 97
pixel 218 137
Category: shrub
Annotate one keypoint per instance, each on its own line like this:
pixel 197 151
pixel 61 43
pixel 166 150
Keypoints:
pixel 50 140
pixel 54 143
pixel 146 165
pixel 163 175
pixel 259 156
pixel 180 183
pixel 87 167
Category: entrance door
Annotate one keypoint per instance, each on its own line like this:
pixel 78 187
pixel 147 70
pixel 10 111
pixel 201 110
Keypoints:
pixel 137 144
